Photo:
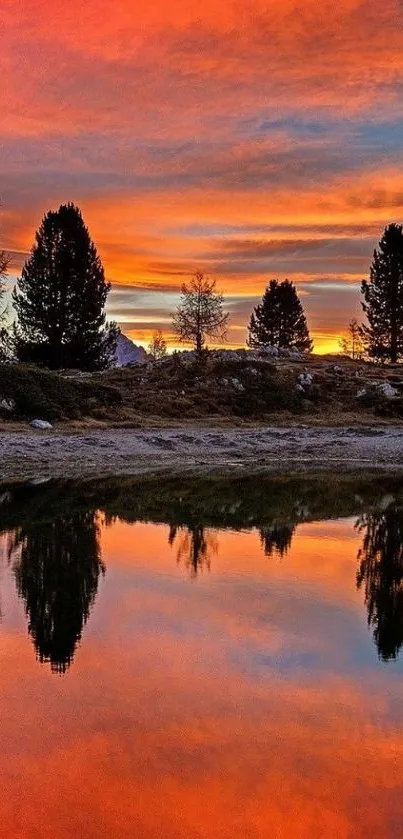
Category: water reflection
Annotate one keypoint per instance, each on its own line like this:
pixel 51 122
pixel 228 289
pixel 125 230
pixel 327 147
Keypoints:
pixel 195 546
pixel 276 539
pixel 57 565
pixel 55 553
pixel 380 575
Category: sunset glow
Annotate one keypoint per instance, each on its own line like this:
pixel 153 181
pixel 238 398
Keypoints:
pixel 250 141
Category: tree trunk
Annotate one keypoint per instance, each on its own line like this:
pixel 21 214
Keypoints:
pixel 393 341
pixel 199 343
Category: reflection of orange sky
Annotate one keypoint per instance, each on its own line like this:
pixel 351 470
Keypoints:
pixel 332 568
pixel 228 137
pixel 178 717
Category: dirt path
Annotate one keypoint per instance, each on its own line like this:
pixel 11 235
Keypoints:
pixel 32 454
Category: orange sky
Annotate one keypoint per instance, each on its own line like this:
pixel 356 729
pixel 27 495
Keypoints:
pixel 251 141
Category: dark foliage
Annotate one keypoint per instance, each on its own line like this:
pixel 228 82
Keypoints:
pixel 57 573
pixel 277 538
pixel 50 396
pixel 56 555
pixel 60 298
pixel 279 320
pixel 381 575
pixel 383 298
pixel 194 545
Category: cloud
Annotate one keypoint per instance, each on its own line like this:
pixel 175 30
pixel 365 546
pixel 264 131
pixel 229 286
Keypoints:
pixel 245 140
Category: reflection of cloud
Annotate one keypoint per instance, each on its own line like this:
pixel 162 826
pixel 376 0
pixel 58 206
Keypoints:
pixel 214 710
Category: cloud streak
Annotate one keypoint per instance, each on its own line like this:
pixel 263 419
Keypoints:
pixel 250 142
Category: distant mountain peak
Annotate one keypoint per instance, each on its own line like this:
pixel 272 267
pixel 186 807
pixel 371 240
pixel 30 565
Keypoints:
pixel 127 352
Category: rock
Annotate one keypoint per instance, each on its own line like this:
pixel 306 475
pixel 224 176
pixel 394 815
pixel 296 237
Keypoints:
pixel 290 353
pixel 273 352
pixel 7 405
pixel 305 379
pixel 362 392
pixel 41 425
pixel 299 388
pixel 237 384
pixel 387 390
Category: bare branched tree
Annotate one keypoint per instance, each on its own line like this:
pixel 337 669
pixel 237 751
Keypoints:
pixel 157 346
pixel 200 313
pixel 352 344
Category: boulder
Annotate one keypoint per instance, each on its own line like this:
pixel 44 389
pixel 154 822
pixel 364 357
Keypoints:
pixel 305 379
pixel 387 390
pixel 7 405
pixel 237 384
pixel 41 425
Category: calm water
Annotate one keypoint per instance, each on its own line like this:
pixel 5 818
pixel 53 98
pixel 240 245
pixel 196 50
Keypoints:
pixel 202 660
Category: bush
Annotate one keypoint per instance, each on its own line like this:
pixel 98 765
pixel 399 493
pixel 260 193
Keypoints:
pixel 50 396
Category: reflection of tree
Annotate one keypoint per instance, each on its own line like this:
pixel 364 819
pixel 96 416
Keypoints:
pixel 195 545
pixel 57 572
pixel 276 539
pixel 381 574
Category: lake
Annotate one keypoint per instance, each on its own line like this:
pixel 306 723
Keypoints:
pixel 215 658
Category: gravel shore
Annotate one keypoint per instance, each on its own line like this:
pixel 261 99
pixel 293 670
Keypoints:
pixel 34 454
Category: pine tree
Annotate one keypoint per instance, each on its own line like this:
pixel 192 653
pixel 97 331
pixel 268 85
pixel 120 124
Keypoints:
pixel 60 298
pixel 279 320
pixel 383 298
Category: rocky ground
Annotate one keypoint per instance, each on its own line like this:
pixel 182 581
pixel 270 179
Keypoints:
pixel 221 388
pixel 36 455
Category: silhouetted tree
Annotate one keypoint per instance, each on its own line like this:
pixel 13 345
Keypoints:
pixel 380 573
pixel 157 346
pixel 383 298
pixel 57 567
pixel 353 344
pixel 200 313
pixel 60 298
pixel 279 320
pixel 277 539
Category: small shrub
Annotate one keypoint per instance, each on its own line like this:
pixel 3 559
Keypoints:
pixel 50 396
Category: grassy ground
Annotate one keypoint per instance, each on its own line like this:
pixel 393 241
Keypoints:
pixel 221 391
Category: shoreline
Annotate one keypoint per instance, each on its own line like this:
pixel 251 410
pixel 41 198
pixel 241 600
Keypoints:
pixel 113 452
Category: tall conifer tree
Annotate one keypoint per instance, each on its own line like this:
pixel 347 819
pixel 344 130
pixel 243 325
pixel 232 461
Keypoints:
pixel 383 298
pixel 60 297
pixel 279 320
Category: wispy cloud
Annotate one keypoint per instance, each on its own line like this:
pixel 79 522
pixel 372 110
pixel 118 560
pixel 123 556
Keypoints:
pixel 248 140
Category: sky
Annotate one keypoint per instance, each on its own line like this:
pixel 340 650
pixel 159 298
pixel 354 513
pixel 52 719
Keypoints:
pixel 251 141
